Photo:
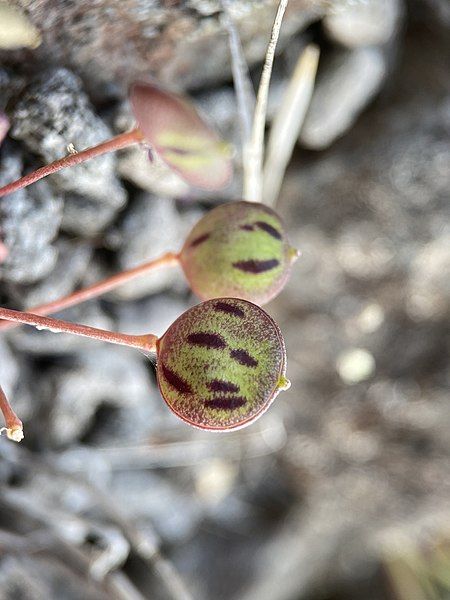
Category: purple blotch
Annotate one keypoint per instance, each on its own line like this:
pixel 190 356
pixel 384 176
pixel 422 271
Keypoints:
pixel 199 240
pixel 246 227
pixel 244 358
pixel 226 402
pixel 176 150
pixel 216 385
pixel 269 229
pixel 209 340
pixel 230 309
pixel 256 266
pixel 176 381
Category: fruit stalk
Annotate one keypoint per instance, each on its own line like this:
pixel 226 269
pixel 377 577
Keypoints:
pixel 146 343
pixel 97 289
pixel 116 143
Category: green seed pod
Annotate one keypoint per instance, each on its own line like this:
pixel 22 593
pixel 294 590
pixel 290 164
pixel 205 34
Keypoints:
pixel 184 141
pixel 239 249
pixel 221 364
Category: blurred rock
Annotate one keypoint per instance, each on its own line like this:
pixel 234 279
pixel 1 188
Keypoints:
pixel 154 314
pixel 179 43
pixel 151 227
pixel 52 113
pixel 429 281
pixel 29 222
pixel 175 512
pixel 100 376
pixel 86 217
pixel 345 85
pixel 16 31
pixel 363 23
pixel 72 262
pixel 435 12
pixel 22 577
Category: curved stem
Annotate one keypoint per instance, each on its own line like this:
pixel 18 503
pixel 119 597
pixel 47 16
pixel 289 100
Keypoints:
pixel 146 343
pixel 116 143
pixel 254 153
pixel 14 427
pixel 93 291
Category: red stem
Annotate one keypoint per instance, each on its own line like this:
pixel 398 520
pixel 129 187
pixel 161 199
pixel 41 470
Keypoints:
pixel 14 427
pixel 116 143
pixel 99 288
pixel 146 343
pixel 3 252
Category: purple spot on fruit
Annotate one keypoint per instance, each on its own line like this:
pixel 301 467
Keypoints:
pixel 246 227
pixel 244 358
pixel 269 229
pixel 229 308
pixel 216 385
pixel 176 381
pixel 199 240
pixel 256 266
pixel 226 402
pixel 208 340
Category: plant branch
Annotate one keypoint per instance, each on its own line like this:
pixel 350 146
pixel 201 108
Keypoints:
pixel 116 143
pixel 97 289
pixel 14 427
pixel 254 153
pixel 288 122
pixel 146 343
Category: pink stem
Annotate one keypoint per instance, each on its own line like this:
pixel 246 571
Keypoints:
pixel 14 427
pixel 3 252
pixel 146 343
pixel 116 143
pixel 99 288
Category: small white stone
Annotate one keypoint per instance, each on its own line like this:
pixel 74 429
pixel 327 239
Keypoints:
pixel 363 23
pixel 214 480
pixel 370 318
pixel 16 30
pixel 355 365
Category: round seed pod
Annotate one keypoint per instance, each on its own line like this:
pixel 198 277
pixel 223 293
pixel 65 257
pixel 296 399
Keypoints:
pixel 239 249
pixel 221 364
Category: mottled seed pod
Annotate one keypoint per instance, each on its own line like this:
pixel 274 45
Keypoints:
pixel 185 142
pixel 239 249
pixel 221 364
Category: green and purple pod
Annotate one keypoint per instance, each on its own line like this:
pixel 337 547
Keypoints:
pixel 221 364
pixel 175 130
pixel 239 249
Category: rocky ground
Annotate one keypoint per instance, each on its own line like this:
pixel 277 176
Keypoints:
pixel 341 490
